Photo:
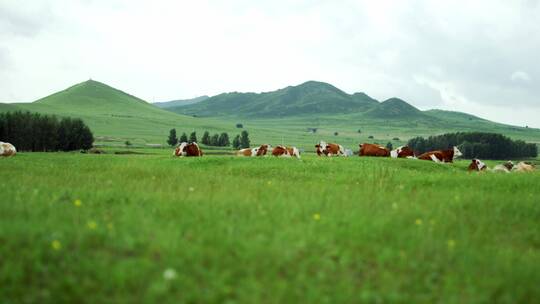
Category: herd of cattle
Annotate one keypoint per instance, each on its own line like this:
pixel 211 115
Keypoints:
pixel 333 149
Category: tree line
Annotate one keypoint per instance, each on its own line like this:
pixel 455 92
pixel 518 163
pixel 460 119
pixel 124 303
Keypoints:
pixel 42 133
pixel 217 140
pixel 476 145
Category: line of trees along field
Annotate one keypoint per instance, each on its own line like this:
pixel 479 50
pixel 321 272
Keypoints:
pixel 476 145
pixel 37 132
pixel 217 140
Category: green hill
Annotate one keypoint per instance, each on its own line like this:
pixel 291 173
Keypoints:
pixel 306 99
pixel 113 115
pixel 394 108
pixel 179 102
pixel 8 107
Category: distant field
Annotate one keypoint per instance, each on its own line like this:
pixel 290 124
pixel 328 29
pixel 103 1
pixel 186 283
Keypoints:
pixel 83 228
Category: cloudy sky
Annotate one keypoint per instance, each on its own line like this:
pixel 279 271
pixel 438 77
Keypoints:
pixel 480 57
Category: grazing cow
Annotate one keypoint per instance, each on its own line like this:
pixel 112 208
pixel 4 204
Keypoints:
pixel 506 167
pixel 185 149
pixel 442 156
pixel 523 167
pixel 402 152
pixel 329 149
pixel 259 151
pixel 373 150
pixel 477 165
pixel 7 149
pixel 286 151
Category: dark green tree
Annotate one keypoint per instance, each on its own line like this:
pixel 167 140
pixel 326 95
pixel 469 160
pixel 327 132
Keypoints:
pixel 183 137
pixel 193 137
pixel 172 140
pixel 244 139
pixel 214 140
pixel 224 140
pixel 206 138
pixel 236 142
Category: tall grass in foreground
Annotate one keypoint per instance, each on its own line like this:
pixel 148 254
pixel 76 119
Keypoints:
pixel 151 228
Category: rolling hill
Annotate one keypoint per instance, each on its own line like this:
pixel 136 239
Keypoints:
pixel 280 117
pixel 179 102
pixel 306 99
pixel 113 115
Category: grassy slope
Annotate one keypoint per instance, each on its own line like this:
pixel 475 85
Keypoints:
pixel 389 231
pixel 308 98
pixel 284 115
pixel 8 107
pixel 115 115
pixel 179 102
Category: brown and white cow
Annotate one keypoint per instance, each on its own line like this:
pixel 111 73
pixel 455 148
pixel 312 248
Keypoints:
pixel 506 167
pixel 523 167
pixel 477 165
pixel 185 149
pixel 282 151
pixel 259 151
pixel 402 152
pixel 7 149
pixel 442 156
pixel 373 150
pixel 329 149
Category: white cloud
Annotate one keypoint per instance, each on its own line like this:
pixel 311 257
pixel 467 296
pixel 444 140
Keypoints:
pixel 430 53
pixel 520 76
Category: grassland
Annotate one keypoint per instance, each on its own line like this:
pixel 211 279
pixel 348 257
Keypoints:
pixel 77 228
pixel 115 116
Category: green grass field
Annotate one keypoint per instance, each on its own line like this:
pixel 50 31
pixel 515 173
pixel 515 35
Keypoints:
pixel 78 228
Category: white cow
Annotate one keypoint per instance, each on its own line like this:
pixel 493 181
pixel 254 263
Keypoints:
pixel 7 149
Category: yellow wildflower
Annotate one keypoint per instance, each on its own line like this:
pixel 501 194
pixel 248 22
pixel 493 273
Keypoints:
pixel 418 222
pixel 91 225
pixel 77 203
pixel 316 216
pixel 56 245
pixel 451 244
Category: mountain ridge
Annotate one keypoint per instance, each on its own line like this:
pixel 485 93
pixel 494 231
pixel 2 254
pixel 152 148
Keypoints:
pixel 179 102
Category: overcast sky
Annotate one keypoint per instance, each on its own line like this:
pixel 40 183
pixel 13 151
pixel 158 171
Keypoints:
pixel 480 57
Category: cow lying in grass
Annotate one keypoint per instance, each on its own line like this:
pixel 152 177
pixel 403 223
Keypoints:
pixel 477 165
pixel 524 167
pixel 402 152
pixel 373 150
pixel 442 156
pixel 185 149
pixel 282 151
pixel 259 151
pixel 506 167
pixel 329 149
pixel 7 149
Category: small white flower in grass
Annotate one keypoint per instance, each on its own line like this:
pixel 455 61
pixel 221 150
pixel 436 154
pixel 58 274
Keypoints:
pixel 191 189
pixel 169 274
